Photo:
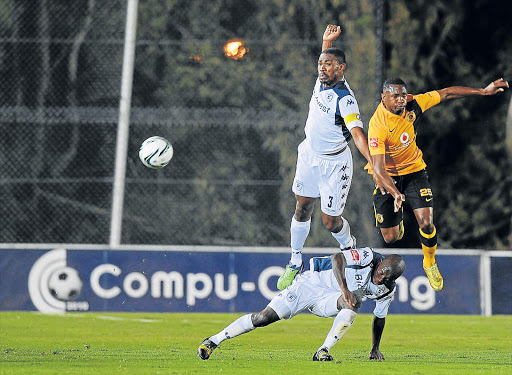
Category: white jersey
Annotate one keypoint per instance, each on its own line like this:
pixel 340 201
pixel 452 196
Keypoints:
pixel 333 112
pixel 358 274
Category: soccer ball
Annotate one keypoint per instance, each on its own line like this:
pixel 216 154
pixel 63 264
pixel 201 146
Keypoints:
pixel 65 284
pixel 156 152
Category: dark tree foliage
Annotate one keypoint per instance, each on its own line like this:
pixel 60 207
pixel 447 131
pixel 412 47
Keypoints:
pixel 236 125
pixel 445 44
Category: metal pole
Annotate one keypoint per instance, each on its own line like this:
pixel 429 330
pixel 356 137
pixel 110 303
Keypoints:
pixel 485 285
pixel 379 56
pixel 509 149
pixel 379 74
pixel 123 124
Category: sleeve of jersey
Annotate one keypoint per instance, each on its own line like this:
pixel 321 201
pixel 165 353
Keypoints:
pixel 358 257
pixel 377 134
pixel 382 306
pixel 349 110
pixel 428 100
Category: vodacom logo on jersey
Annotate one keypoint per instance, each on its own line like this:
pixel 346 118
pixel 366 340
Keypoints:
pixel 405 139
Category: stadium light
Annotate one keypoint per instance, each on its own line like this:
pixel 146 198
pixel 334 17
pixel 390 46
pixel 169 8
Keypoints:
pixel 235 49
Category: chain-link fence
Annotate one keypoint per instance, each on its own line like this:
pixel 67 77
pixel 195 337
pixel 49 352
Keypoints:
pixel 60 69
pixel 234 126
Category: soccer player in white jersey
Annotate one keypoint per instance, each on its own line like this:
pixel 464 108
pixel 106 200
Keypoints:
pixel 324 161
pixel 333 288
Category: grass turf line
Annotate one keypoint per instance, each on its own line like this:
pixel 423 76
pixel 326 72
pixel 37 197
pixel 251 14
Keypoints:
pixel 152 343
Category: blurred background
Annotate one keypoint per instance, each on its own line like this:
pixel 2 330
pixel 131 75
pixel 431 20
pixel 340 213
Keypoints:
pixel 235 114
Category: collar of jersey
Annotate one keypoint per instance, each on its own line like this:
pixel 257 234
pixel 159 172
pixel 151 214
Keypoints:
pixel 333 87
pixel 391 114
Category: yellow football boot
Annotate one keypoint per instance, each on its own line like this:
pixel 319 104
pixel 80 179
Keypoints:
pixel 434 277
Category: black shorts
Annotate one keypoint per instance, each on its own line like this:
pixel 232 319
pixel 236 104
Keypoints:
pixel 418 194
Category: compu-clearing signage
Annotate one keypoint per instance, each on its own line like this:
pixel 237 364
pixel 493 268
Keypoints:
pixel 61 280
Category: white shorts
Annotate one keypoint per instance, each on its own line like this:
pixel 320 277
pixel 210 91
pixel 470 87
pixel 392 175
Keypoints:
pixel 327 177
pixel 303 294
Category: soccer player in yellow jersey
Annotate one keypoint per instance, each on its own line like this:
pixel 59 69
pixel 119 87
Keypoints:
pixel 398 163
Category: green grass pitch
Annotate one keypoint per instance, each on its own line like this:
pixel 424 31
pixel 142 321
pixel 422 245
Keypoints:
pixel 147 343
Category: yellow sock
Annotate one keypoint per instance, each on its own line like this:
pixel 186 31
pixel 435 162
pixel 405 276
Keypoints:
pixel 428 255
pixel 429 246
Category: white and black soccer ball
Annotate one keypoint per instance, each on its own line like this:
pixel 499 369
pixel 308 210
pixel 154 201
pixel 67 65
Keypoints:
pixel 65 284
pixel 156 152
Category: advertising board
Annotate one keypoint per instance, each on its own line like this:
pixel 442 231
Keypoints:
pixel 62 280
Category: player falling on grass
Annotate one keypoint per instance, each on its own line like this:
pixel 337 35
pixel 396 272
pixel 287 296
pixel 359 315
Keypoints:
pixel 324 161
pixel 399 164
pixel 333 288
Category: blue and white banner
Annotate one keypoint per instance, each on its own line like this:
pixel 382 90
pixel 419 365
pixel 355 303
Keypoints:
pixel 62 280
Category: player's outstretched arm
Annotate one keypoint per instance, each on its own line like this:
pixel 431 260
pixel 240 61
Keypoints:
pixel 379 169
pixel 377 329
pixel 338 267
pixel 455 92
pixel 331 33
pixel 361 143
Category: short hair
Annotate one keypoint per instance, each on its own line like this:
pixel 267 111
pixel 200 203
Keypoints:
pixel 386 86
pixel 395 262
pixel 338 53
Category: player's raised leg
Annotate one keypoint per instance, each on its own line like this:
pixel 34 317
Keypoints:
pixel 340 230
pixel 428 238
pixel 299 230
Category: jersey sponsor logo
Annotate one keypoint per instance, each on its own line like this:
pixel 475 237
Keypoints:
pixel 321 106
pixel 406 140
pixel 391 131
pixel 355 254
pixel 410 117
pixel 404 137
pixel 374 142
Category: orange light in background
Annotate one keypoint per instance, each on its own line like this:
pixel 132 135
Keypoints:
pixel 196 58
pixel 235 49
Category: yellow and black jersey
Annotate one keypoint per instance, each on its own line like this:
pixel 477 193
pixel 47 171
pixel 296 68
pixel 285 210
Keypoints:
pixel 395 135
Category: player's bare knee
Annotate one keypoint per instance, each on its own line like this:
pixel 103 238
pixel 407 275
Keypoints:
pixel 390 237
pixel 341 305
pixel 264 317
pixel 427 227
pixel 302 215
pixel 259 320
pixel 303 211
pixel 332 223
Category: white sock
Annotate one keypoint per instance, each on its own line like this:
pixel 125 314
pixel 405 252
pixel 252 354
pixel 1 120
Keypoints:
pixel 240 326
pixel 343 236
pixel 298 233
pixel 341 324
